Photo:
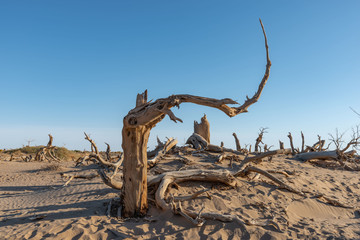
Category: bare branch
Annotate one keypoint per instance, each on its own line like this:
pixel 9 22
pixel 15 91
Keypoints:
pixel 152 113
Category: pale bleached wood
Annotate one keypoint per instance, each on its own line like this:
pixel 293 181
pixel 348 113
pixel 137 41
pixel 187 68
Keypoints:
pixel 197 141
pixel 259 157
pixel 317 155
pixel 219 175
pixel 170 143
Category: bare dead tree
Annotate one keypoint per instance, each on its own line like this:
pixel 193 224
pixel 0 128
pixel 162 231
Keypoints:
pixel 337 139
pixel 259 138
pixel 138 123
pixel 47 152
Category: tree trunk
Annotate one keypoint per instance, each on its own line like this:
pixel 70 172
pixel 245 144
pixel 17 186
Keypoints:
pixel 203 128
pixel 135 170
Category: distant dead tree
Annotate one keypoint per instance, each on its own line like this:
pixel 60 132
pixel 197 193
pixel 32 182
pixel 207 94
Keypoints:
pixel 29 141
pixel 259 139
pixel 47 152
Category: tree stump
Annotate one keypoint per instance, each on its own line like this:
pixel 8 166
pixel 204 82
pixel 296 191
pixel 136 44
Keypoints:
pixel 203 128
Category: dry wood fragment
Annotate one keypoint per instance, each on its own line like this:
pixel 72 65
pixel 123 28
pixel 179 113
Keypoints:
pixel 70 177
pixel 197 141
pixel 256 158
pixel 170 143
pixel 273 178
pixel 317 155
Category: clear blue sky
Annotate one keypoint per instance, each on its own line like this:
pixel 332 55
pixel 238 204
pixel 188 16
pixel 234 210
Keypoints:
pixel 72 66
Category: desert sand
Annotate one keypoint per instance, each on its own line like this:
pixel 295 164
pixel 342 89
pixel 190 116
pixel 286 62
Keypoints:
pixel 35 204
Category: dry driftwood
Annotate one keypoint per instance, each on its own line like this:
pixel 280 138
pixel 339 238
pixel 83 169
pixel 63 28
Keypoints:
pixel 273 178
pixel 317 155
pixel 197 141
pixel 203 128
pixel 259 157
pixel 114 166
pixel 169 144
pixel 71 176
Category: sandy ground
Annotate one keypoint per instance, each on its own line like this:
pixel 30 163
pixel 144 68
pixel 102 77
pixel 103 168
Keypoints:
pixel 34 204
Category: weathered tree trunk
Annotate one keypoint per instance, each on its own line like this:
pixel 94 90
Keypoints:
pixel 203 128
pixel 135 170
pixel 281 144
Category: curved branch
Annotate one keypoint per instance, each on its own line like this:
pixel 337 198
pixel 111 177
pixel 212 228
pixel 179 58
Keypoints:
pixel 150 113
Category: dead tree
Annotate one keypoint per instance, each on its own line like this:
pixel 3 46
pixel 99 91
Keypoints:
pixel 291 143
pixel 138 123
pixel 237 142
pixel 302 142
pixel 47 152
pixel 259 139
pixel 203 128
pixel 281 144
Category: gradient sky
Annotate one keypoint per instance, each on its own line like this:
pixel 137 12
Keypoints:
pixel 72 66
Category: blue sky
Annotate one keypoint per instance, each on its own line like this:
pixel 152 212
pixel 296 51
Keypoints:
pixel 72 66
